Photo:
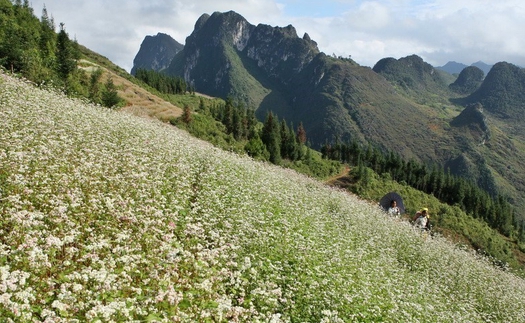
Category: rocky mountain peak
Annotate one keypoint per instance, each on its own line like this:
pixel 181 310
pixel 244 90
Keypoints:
pixel 229 27
pixel 227 39
pixel 156 53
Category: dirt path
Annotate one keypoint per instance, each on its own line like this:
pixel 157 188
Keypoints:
pixel 343 173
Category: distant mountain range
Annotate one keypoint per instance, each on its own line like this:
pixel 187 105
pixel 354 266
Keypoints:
pixel 455 67
pixel 466 119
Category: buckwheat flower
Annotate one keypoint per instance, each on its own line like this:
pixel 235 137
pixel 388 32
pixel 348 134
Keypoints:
pixel 77 287
pixel 52 241
pixel 59 305
pixel 275 318
pixel 48 315
pixel 62 209
pixel 246 264
pixel 5 299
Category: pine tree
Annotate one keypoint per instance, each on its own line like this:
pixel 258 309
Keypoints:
pixel 293 146
pixel 110 97
pixel 227 117
pixel 284 132
pixel 66 64
pixel 94 86
pixel 271 138
pixel 237 124
pixel 251 124
pixel 47 38
pixel 255 148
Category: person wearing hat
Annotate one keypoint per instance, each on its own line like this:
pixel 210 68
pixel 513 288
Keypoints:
pixel 421 219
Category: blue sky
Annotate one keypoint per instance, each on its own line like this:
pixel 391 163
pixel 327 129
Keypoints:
pixel 439 31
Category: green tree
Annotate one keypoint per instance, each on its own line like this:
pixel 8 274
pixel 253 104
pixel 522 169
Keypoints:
pixel 48 37
pixel 251 124
pixel 110 97
pixel 94 86
pixel 66 64
pixel 271 138
pixel 256 149
pixel 20 33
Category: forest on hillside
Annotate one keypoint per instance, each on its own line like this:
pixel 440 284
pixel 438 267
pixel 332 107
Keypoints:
pixel 34 49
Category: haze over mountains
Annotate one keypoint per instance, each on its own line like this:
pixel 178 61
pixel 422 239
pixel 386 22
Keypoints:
pixel 403 105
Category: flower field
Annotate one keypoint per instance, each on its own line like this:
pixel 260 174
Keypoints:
pixel 107 217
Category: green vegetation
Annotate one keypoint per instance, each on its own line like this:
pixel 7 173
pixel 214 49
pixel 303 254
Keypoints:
pixel 162 82
pixel 52 58
pixel 414 77
pixel 468 81
pixel 449 221
pixel 32 48
pixel 496 211
pixel 503 91
pixel 109 217
pixel 232 127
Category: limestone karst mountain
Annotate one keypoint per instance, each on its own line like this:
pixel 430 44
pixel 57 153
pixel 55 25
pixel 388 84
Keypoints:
pixel 403 105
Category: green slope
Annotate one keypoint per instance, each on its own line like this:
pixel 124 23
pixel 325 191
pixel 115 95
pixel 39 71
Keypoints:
pixel 106 216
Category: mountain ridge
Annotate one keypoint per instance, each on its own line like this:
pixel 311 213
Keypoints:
pixel 454 67
pixel 403 105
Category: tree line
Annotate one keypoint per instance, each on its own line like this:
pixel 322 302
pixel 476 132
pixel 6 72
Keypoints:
pixel 276 140
pixel 34 49
pixel 273 140
pixel 162 82
pixel 494 209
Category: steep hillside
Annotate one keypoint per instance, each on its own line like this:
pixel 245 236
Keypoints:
pixel 110 217
pixel 138 99
pixel 501 96
pixel 502 93
pixel 227 56
pixel 337 99
pixel 272 69
pixel 468 81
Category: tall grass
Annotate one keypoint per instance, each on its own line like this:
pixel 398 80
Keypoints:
pixel 106 217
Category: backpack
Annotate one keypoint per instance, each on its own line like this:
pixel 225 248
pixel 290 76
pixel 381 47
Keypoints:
pixel 418 214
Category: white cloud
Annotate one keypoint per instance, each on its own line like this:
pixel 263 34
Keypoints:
pixel 437 30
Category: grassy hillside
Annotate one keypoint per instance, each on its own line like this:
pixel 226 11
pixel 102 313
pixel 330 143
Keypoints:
pixel 449 221
pixel 108 217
